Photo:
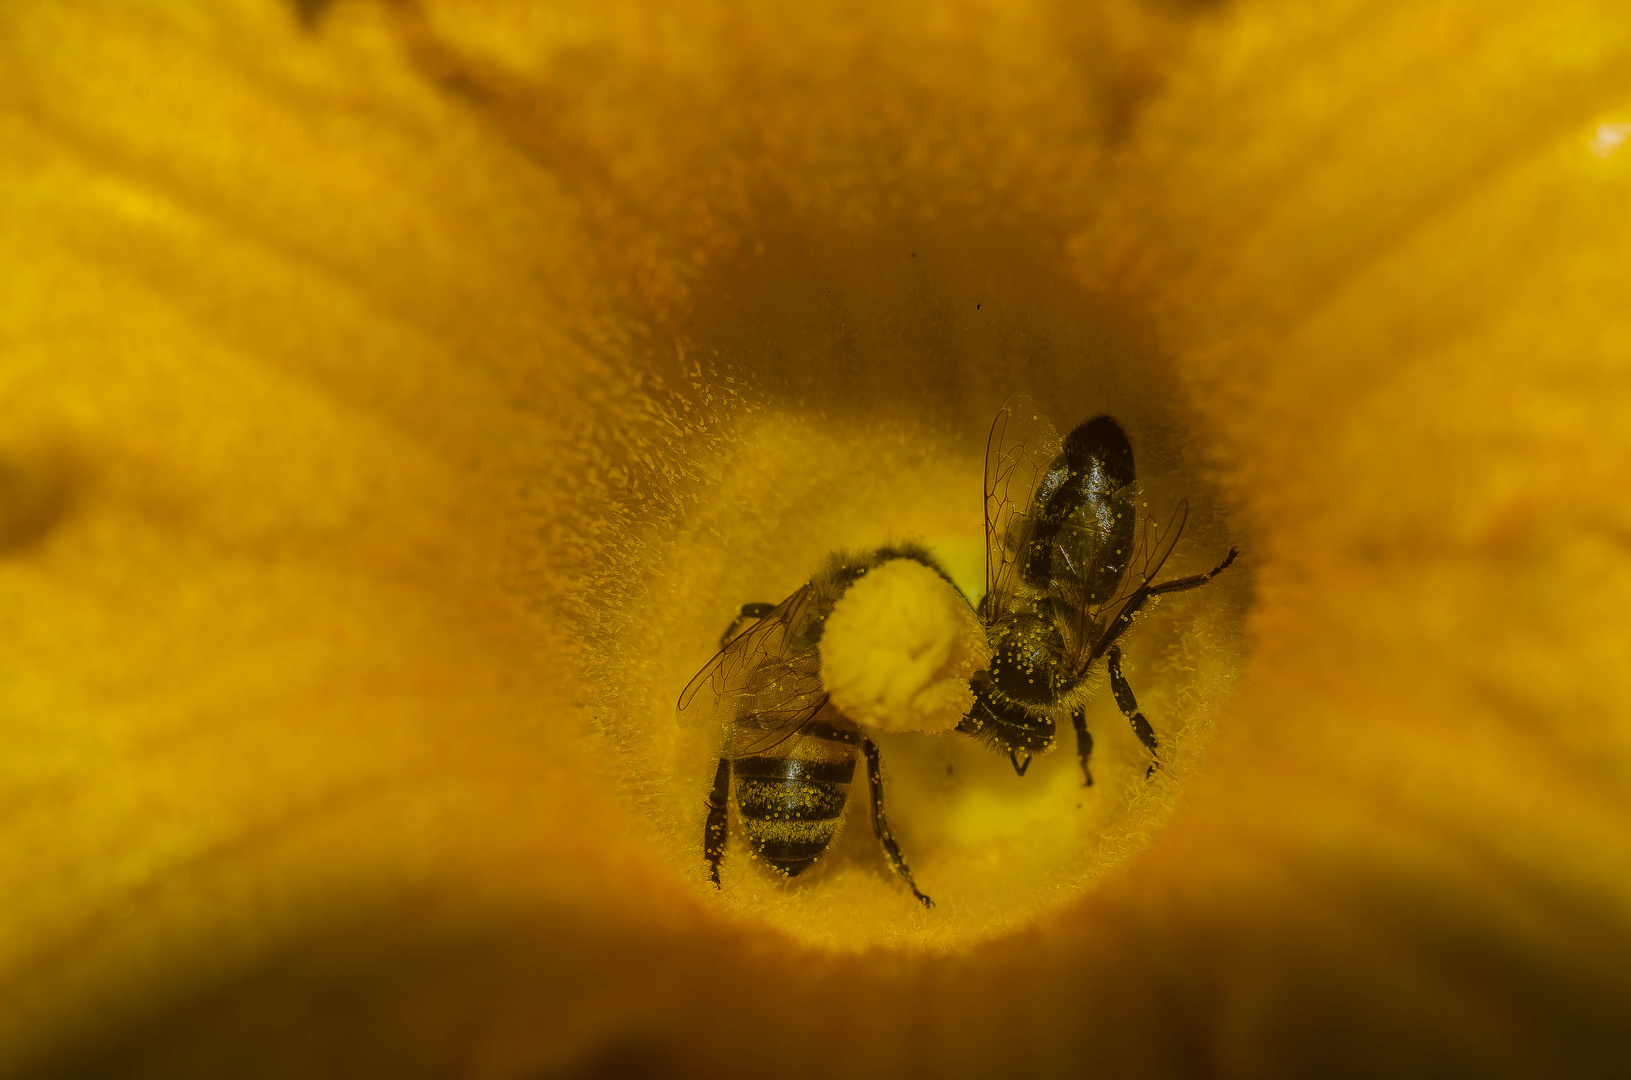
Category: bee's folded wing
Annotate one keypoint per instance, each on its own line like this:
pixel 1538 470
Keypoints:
pixel 1018 453
pixel 768 671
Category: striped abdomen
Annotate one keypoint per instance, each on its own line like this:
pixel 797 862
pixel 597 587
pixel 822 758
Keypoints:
pixel 790 807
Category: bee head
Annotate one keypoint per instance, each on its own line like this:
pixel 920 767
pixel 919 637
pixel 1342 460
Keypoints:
pixel 1005 725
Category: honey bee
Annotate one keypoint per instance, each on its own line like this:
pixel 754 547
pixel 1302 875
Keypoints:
pixel 1066 572
pixel 789 750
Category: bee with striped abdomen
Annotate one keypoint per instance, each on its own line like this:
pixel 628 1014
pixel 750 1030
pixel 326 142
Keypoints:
pixel 789 751
pixel 1067 570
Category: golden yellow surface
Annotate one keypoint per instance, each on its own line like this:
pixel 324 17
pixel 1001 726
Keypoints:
pixel 898 650
pixel 396 400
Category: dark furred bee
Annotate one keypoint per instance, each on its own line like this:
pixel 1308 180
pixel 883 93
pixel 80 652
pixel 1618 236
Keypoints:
pixel 1061 536
pixel 791 753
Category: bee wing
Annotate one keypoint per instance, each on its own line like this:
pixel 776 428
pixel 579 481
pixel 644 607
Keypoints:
pixel 766 680
pixel 1153 551
pixel 1154 548
pixel 1018 452
pixel 766 729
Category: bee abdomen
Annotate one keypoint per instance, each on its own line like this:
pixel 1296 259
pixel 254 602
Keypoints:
pixel 790 809
pixel 1006 724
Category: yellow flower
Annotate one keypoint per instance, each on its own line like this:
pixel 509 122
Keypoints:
pixel 397 398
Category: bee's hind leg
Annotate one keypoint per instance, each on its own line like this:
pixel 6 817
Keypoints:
pixel 1142 595
pixel 1084 740
pixel 1194 581
pixel 749 613
pixel 1129 708
pixel 713 834
pixel 874 780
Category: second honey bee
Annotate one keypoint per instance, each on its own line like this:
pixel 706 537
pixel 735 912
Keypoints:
pixel 1067 571
pixel 789 755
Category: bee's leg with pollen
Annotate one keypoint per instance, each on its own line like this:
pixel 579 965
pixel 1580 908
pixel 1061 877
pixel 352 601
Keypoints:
pixel 1084 743
pixel 749 613
pixel 713 834
pixel 874 778
pixel 1129 708
pixel 1144 593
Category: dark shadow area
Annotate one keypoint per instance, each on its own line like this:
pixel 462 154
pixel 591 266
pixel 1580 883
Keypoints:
pixel 933 319
pixel 394 996
pixel 1377 984
pixel 309 13
pixel 38 491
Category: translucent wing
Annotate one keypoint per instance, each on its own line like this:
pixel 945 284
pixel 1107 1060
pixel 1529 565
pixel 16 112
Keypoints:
pixel 1021 447
pixel 766 681
pixel 1154 548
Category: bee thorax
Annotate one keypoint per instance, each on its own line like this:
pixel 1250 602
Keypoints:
pixel 1025 660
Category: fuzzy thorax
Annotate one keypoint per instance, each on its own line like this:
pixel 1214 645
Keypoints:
pixel 898 649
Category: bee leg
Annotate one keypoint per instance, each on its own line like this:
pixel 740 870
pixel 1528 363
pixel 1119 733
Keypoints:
pixel 1019 766
pixel 1142 594
pixel 1194 581
pixel 874 779
pixel 1129 708
pixel 748 613
pixel 713 834
pixel 1084 744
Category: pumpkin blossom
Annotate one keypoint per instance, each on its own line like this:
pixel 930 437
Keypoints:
pixel 397 400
